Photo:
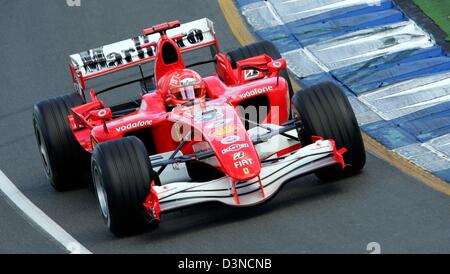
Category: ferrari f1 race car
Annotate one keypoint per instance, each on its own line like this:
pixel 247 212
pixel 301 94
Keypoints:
pixel 233 137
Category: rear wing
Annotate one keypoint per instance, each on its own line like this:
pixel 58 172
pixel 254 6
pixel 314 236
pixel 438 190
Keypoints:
pixel 136 51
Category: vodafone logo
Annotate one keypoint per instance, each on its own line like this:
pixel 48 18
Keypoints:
pixel 277 64
pixel 134 125
pixel 102 113
pixel 256 91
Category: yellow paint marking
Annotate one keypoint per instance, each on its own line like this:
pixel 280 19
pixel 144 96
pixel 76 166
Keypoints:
pixel 235 22
pixel 404 165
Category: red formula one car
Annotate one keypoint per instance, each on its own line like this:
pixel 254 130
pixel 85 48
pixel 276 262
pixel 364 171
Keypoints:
pixel 234 137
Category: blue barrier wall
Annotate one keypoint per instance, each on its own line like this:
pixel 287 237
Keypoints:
pixel 396 77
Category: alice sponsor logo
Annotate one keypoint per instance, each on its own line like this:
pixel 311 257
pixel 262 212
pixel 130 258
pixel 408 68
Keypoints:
pixel 256 91
pixel 235 147
pixel 134 125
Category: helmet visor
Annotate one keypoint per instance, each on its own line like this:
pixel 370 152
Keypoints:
pixel 188 93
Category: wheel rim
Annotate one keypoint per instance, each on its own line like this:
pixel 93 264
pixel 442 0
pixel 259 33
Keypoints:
pixel 101 193
pixel 42 149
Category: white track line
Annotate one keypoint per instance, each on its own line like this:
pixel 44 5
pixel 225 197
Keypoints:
pixel 39 217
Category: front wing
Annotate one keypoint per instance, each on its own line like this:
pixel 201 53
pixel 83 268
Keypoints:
pixel 273 176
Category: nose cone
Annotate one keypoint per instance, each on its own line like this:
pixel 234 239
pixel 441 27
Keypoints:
pixel 222 128
pixel 233 147
pixel 236 153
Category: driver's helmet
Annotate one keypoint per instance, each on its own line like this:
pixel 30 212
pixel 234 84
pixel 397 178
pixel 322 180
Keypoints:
pixel 186 85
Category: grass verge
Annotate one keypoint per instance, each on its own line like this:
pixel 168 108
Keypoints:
pixel 438 11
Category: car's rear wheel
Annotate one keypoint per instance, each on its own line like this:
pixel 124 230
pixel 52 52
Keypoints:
pixel 324 110
pixel 252 50
pixel 65 161
pixel 122 174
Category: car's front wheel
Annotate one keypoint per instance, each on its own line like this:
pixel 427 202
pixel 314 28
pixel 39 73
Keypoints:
pixel 325 111
pixel 122 175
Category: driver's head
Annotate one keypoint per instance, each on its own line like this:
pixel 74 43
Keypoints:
pixel 186 85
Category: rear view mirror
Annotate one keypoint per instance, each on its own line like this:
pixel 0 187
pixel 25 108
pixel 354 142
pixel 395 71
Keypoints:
pixel 101 114
pixel 276 65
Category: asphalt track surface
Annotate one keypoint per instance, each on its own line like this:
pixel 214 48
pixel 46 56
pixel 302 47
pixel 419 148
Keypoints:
pixel 379 205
